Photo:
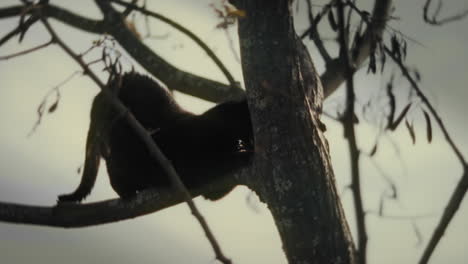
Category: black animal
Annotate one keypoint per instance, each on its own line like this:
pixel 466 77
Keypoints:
pixel 201 147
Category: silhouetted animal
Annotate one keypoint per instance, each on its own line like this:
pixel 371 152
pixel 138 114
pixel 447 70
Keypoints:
pixel 201 147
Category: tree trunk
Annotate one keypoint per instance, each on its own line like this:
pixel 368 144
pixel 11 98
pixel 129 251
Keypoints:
pixel 293 174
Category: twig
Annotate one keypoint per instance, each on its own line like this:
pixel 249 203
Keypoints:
pixel 187 32
pixel 41 108
pixel 313 32
pixel 440 21
pixel 172 76
pixel 350 134
pixel 462 186
pixel 154 150
pixel 333 76
pixel 24 52
pixel 428 104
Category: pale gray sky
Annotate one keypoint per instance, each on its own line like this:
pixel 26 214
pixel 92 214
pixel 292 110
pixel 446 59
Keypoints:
pixel 36 169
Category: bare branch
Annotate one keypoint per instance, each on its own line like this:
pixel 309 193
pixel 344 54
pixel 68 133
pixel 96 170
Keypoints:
pixel 334 75
pixel 350 135
pixel 313 32
pixel 433 20
pixel 462 186
pixel 173 77
pixel 71 215
pixel 187 32
pixel 24 52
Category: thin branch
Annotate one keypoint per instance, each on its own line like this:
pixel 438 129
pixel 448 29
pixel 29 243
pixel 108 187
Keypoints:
pixel 24 52
pixel 173 77
pixel 433 20
pixel 462 187
pixel 313 32
pixel 428 104
pixel 350 134
pixel 334 75
pixel 189 34
pixel 154 150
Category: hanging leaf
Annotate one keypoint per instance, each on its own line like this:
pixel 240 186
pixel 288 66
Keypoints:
pixel 417 75
pixel 383 59
pixel 401 116
pixel 53 107
pixel 403 49
pixel 396 47
pixel 372 67
pixel 411 131
pixel 381 205
pixel 391 102
pixel 373 151
pixel 428 126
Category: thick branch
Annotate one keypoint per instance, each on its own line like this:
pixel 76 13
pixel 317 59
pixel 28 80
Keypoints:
pixel 334 75
pixel 173 77
pixel 188 33
pixel 69 215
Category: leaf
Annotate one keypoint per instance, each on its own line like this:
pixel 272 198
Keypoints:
pixel 383 59
pixel 381 206
pixel 428 126
pixel 400 117
pixel 392 103
pixel 411 131
pixel 417 75
pixel 373 151
pixel 53 107
pixel 396 47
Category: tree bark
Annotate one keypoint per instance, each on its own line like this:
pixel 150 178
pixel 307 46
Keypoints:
pixel 293 173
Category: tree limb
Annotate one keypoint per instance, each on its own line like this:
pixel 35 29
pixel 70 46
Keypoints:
pixel 350 135
pixel 173 77
pixel 71 215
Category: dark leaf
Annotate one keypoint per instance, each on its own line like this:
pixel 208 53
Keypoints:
pixel 418 234
pixel 403 49
pixel 428 126
pixel 383 59
pixel 373 151
pixel 53 107
pixel 332 21
pixel 391 102
pixel 411 131
pixel 417 75
pixel 400 117
pixel 381 205
pixel 396 47
pixel 372 67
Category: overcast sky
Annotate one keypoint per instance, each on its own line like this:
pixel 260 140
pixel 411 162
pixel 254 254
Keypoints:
pixel 35 169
